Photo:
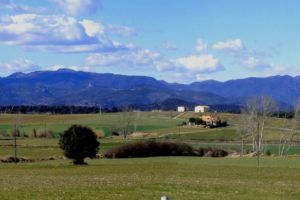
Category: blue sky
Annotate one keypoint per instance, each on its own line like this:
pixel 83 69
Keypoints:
pixel 177 41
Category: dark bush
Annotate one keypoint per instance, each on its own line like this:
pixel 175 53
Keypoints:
pixel 11 159
pixel 219 153
pixel 268 153
pixel 199 121
pixel 154 149
pixel 192 120
pixel 79 142
pixel 183 124
pixel 114 133
pixel 25 135
pixel 220 123
pixel 210 152
pixel 224 124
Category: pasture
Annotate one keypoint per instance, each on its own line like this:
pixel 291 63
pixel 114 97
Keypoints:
pixel 147 125
pixel 150 178
pixel 144 178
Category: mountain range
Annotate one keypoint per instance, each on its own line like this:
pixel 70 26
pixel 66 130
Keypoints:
pixel 68 87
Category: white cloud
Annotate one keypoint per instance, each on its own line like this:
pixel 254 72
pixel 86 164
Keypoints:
pixel 73 67
pixel 135 58
pixel 169 46
pixel 201 46
pixel 201 64
pixel 263 67
pixel 229 45
pixel 78 7
pixel 256 64
pixel 120 30
pixel 275 70
pixel 20 65
pixel 10 5
pixel 92 28
pixel 55 33
pixel 201 77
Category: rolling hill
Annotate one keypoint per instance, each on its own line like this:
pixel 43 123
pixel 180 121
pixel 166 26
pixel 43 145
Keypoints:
pixel 68 87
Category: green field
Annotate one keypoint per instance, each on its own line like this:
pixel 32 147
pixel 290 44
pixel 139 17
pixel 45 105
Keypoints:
pixel 161 124
pixel 147 178
pixel 151 178
pixel 148 125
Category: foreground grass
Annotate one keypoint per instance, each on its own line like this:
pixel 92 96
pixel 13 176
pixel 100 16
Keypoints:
pixel 150 178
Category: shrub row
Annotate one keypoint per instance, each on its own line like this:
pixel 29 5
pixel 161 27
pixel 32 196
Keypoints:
pixel 34 134
pixel 154 149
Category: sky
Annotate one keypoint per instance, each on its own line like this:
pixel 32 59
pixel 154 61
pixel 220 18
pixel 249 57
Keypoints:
pixel 172 40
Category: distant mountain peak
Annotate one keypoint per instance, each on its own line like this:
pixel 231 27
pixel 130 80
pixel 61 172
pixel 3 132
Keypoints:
pixel 65 70
pixel 17 75
pixel 70 87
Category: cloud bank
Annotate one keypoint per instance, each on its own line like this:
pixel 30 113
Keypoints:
pixel 56 33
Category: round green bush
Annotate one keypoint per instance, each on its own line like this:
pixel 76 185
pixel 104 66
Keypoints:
pixel 78 143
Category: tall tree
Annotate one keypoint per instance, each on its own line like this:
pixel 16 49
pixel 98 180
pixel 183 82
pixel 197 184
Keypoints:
pixel 126 121
pixel 258 110
pixel 291 135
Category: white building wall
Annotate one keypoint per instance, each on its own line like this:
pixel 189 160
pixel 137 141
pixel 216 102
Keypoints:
pixel 180 109
pixel 201 109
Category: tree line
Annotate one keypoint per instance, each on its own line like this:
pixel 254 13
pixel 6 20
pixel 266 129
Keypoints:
pixel 24 109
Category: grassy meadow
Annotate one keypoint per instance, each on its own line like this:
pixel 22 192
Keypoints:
pixel 144 178
pixel 151 178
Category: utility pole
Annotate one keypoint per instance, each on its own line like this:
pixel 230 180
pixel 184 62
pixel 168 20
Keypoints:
pixel 15 143
pixel 100 110
pixel 16 132
pixel 179 131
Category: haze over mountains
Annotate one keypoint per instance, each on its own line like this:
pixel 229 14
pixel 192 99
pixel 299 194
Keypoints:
pixel 68 87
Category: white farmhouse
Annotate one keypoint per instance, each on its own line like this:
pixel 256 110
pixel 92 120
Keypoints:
pixel 201 109
pixel 181 109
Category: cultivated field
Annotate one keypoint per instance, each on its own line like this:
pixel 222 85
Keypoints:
pixel 147 178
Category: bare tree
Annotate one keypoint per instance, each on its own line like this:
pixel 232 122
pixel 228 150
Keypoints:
pixel 16 133
pixel 126 121
pixel 244 129
pixel 258 109
pixel 136 119
pixel 292 135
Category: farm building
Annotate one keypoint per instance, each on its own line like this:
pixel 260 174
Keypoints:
pixel 209 120
pixel 181 109
pixel 201 109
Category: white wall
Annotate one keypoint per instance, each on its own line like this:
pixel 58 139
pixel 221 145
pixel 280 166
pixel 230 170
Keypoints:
pixel 180 109
pixel 201 109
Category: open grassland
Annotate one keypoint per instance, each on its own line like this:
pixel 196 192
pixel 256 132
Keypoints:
pixel 149 125
pixel 147 121
pixel 147 178
pixel 150 178
pixel 155 122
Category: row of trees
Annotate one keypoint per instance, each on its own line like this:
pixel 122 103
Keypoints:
pixel 57 109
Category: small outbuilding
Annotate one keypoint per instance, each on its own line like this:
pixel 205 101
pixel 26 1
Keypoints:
pixel 181 109
pixel 201 109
